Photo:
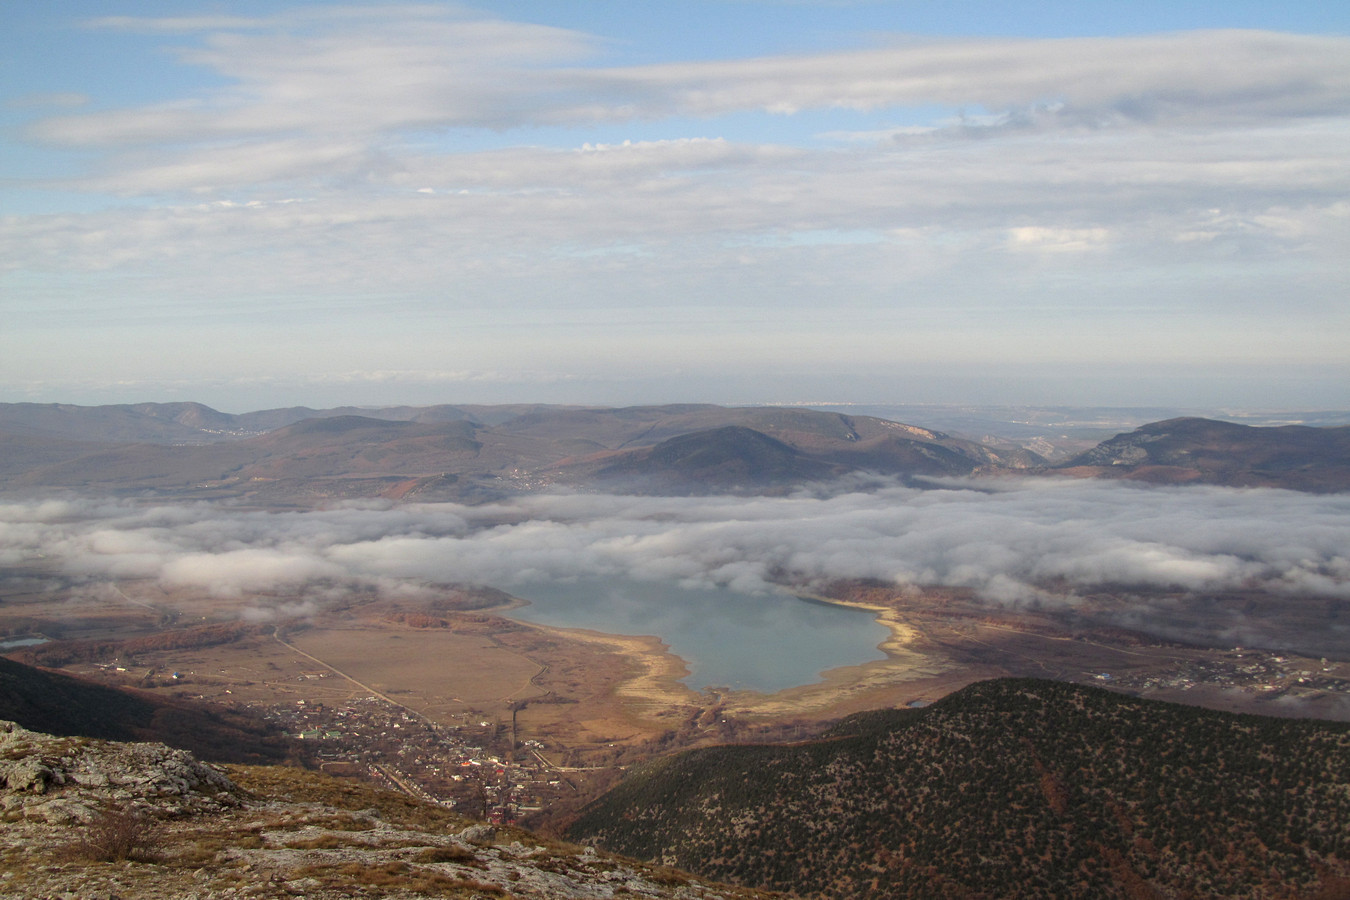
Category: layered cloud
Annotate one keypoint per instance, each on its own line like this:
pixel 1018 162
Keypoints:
pixel 396 182
pixel 1048 544
pixel 355 71
pixel 338 107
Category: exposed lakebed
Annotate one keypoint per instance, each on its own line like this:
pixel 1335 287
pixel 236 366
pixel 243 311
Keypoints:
pixel 761 642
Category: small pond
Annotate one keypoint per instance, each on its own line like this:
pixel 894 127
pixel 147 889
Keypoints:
pixel 23 642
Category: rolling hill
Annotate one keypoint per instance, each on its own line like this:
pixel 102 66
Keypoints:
pixel 1193 450
pixel 730 459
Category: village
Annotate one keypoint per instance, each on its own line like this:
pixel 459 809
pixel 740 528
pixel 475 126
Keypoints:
pixel 1257 671
pixel 475 767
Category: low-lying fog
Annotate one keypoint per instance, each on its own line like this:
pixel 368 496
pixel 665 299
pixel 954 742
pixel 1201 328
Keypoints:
pixel 1045 542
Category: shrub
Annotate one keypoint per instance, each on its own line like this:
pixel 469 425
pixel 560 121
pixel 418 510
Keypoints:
pixel 114 835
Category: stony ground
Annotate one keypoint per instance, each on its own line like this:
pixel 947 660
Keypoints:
pixel 98 820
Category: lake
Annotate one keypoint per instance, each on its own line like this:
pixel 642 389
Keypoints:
pixel 762 642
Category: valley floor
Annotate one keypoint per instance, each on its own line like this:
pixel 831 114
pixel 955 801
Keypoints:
pixel 520 721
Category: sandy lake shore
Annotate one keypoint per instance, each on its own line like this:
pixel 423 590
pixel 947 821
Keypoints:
pixel 655 689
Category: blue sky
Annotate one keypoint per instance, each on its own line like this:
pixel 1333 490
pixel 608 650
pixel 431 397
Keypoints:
pixel 263 204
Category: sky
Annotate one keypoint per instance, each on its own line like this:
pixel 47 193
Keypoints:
pixel 257 205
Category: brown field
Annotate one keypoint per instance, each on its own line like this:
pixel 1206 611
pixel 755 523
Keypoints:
pixel 434 672
pixel 569 690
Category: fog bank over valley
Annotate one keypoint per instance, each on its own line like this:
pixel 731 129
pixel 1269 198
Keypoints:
pixel 1144 557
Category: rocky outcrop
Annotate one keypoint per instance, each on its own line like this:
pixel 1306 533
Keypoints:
pixel 66 780
pixel 269 832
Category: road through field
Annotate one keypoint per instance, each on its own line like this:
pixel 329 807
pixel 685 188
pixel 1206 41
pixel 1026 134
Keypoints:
pixel 276 634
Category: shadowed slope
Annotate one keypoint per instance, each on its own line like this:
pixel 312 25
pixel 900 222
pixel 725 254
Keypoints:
pixel 55 703
pixel 728 459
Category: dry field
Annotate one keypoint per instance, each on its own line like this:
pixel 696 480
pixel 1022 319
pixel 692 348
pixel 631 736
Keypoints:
pixel 435 672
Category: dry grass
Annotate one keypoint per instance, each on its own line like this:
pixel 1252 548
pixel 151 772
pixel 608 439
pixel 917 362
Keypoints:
pixel 384 874
pixel 203 842
pixel 325 841
pixel 398 876
pixel 452 854
pixel 301 786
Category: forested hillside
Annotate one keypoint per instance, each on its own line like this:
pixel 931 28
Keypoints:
pixel 1010 788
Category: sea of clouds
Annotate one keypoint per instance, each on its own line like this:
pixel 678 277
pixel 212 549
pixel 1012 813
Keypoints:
pixel 1045 543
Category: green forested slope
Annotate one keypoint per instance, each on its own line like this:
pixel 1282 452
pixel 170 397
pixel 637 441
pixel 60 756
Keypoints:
pixel 1010 788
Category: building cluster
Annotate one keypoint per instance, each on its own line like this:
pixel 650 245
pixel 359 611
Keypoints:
pixel 1252 670
pixel 471 766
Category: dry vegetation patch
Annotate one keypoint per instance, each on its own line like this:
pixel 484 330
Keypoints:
pixel 300 786
pixel 116 835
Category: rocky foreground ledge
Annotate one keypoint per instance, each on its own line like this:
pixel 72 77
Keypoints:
pixel 99 820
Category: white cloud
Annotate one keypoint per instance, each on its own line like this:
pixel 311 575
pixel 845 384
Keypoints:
pixel 342 71
pixel 172 24
pixel 363 71
pixel 1056 240
pixel 1096 80
pixel 233 573
pixel 216 168
pixel 531 198
pixel 1024 542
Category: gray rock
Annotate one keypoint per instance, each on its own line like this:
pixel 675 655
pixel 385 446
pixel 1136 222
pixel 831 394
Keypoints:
pixel 479 835
pixel 91 779
pixel 28 774
pixel 62 812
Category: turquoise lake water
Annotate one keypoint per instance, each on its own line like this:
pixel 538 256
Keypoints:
pixel 744 641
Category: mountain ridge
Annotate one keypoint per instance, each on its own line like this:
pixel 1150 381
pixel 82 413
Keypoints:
pixel 473 453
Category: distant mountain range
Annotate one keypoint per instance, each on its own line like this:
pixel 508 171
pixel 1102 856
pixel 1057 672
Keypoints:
pixel 471 453
pixel 1011 788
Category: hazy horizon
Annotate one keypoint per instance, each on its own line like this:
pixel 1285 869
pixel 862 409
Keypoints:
pixel 255 205
pixel 942 416
pixel 1209 396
